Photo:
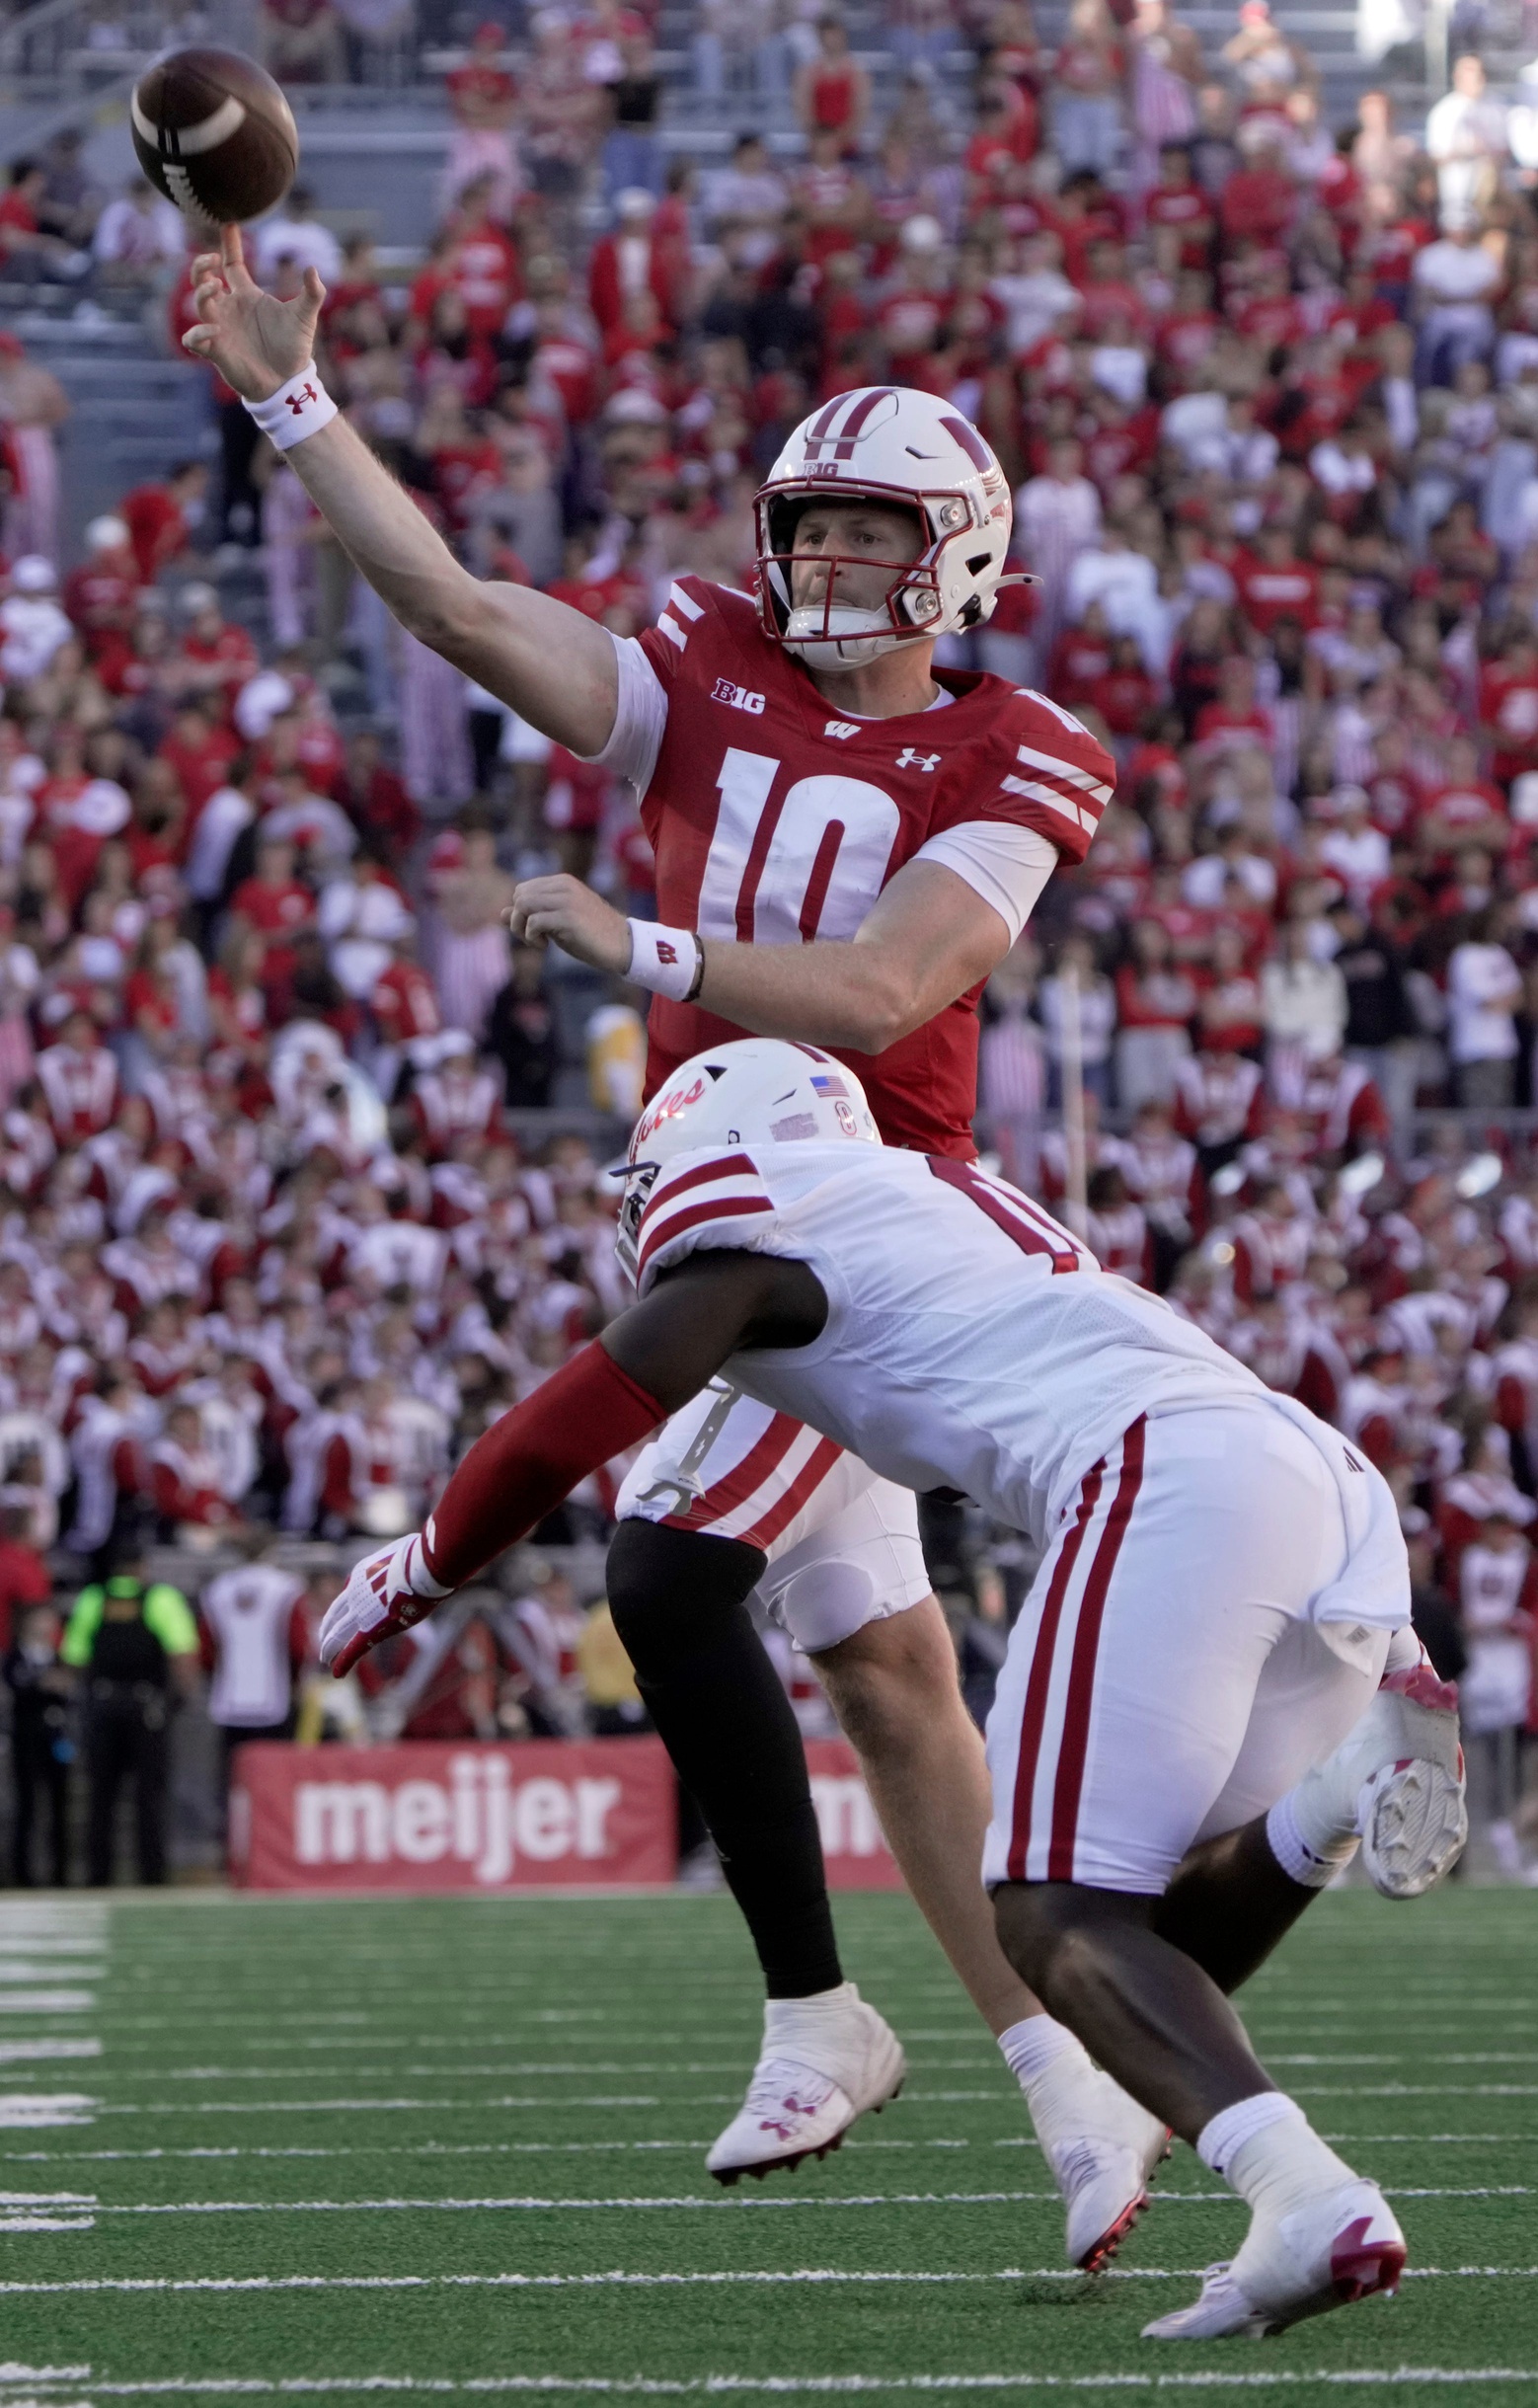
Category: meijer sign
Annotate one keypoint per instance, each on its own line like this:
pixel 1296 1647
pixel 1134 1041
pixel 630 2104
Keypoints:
pixel 423 1816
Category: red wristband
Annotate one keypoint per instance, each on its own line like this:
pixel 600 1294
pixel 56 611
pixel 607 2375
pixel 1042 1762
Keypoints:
pixel 532 1458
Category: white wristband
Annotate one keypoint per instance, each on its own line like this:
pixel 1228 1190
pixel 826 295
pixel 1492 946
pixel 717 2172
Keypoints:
pixel 668 961
pixel 299 408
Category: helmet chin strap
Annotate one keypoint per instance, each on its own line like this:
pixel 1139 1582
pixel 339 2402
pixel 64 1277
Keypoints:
pixel 862 636
pixel 841 651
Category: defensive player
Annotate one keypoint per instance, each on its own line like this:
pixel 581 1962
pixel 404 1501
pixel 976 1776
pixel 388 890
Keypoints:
pixel 846 845
pixel 1190 1733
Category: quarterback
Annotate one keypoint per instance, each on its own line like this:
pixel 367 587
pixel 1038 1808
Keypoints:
pixel 1182 1750
pixel 847 842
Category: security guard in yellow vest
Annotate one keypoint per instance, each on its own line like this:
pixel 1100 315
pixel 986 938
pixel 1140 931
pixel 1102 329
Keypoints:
pixel 133 1643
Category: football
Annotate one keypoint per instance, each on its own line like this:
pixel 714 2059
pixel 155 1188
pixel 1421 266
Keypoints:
pixel 214 134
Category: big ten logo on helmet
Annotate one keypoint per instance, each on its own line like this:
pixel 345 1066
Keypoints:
pixel 737 696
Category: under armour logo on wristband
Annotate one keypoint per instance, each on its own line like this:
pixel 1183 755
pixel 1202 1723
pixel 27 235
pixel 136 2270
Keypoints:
pixel 296 410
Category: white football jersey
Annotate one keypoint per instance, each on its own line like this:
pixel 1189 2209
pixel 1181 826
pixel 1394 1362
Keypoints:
pixel 971 1341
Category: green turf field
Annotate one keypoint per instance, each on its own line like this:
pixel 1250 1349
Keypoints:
pixel 253 2148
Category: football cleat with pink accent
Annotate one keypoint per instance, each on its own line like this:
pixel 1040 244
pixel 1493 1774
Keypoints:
pixel 825 2062
pixel 1104 2169
pixel 1398 1778
pixel 1410 1809
pixel 1335 2249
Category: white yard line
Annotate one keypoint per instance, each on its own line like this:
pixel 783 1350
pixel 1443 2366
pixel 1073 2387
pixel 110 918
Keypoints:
pixel 412 2148
pixel 33 2111
pixel 585 2148
pixel 45 2381
pixel 617 2278
pixel 33 1934
pixel 1413 2091
pixel 356 2107
pixel 715 2202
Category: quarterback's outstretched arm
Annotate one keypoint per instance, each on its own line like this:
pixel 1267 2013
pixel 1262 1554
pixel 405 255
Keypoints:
pixel 548 664
pixel 928 938
pixel 610 1396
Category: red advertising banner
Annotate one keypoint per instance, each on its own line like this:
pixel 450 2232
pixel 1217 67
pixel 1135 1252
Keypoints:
pixel 854 1850
pixel 544 1813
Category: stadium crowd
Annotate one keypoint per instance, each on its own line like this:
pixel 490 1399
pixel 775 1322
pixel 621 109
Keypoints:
pixel 271 1251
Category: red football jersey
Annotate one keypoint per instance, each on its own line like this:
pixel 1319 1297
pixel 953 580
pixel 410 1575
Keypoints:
pixel 774 821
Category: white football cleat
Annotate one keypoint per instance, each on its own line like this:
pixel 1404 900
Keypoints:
pixel 1409 1809
pixel 825 2062
pixel 1103 2170
pixel 1398 1780
pixel 1339 2248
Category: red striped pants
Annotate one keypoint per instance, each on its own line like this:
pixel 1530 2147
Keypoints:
pixel 842 1544
pixel 1164 1681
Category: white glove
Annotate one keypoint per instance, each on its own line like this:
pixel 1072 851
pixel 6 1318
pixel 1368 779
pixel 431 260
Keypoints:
pixel 386 1592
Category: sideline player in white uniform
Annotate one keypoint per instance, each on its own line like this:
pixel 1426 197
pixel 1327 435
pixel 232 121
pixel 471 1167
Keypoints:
pixel 846 845
pixel 1187 1739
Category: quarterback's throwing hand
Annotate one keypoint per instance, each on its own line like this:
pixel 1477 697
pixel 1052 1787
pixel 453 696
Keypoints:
pixel 561 912
pixel 385 1593
pixel 254 341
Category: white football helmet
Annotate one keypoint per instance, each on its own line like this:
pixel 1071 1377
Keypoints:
pixel 756 1091
pixel 889 445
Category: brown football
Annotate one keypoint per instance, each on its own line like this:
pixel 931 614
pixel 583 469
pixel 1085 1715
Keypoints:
pixel 214 134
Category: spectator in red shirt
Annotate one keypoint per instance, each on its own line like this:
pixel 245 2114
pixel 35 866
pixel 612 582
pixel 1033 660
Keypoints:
pixel 27 250
pixel 483 262
pixel 214 657
pixel 832 91
pixel 1126 694
pixel 1179 207
pixel 102 594
pixel 628 261
pixel 302 42
pixel 1465 810
pixel 1234 721
pixel 1508 706
pixel 160 518
pixel 482 99
pixel 1274 584
pixel 1260 201
pixel 1155 1003
pixel 1081 659
pixel 271 901
pixel 199 749
pixel 377 799
pixel 24 1575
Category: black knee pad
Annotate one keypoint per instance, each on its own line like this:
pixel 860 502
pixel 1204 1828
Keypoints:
pixel 670 1591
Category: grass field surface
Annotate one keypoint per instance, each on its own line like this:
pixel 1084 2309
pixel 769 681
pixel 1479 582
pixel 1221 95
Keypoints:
pixel 255 2149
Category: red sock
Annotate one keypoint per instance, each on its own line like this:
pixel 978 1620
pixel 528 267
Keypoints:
pixel 532 1458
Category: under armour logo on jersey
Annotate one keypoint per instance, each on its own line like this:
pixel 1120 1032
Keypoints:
pixel 737 696
pixel 909 758
pixel 841 728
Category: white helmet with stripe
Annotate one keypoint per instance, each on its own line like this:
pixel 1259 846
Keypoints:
pixel 903 449
pixel 757 1091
